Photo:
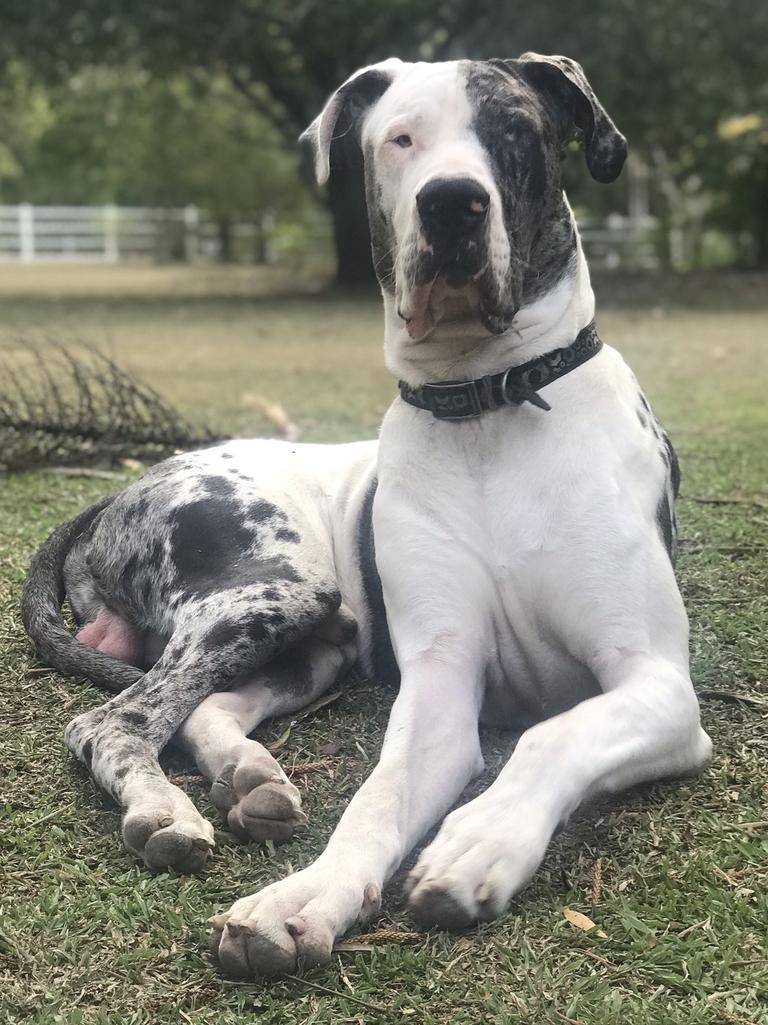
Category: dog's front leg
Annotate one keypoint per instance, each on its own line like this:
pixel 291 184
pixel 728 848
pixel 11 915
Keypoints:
pixel 430 753
pixel 644 727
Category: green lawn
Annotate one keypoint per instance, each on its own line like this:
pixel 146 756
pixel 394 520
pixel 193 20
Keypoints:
pixel 89 937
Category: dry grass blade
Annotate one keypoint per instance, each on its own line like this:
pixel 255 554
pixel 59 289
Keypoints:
pixel 597 881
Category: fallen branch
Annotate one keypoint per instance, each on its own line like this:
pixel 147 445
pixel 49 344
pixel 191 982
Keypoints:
pixel 62 410
pixel 733 696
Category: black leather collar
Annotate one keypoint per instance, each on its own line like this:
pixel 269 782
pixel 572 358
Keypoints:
pixel 461 400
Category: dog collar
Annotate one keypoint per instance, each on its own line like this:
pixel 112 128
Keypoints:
pixel 461 400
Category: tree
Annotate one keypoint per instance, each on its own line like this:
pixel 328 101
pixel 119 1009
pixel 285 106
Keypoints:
pixel 120 136
pixel 25 115
pixel 285 58
pixel 670 73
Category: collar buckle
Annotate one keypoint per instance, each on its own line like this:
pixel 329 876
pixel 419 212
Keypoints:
pixel 518 393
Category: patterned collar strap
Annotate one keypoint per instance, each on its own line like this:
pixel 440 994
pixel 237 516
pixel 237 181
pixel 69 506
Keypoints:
pixel 461 400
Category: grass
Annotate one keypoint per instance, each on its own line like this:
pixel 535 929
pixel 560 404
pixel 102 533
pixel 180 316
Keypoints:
pixel 89 938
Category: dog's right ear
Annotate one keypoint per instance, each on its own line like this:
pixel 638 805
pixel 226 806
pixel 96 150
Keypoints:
pixel 345 109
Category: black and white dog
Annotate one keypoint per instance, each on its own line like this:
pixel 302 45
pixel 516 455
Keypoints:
pixel 521 497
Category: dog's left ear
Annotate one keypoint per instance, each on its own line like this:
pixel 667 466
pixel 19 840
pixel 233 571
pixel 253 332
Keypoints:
pixel 563 79
pixel 344 110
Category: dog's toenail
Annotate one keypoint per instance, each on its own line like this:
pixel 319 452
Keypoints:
pixel 296 926
pixel 483 893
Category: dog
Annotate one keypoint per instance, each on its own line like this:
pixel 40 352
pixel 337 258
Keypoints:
pixel 521 501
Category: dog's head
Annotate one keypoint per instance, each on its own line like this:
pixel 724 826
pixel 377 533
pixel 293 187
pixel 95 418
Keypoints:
pixel 462 168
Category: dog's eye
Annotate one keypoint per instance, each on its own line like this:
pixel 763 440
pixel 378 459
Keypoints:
pixel 403 141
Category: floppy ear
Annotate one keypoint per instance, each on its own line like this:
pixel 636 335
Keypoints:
pixel 348 104
pixel 604 145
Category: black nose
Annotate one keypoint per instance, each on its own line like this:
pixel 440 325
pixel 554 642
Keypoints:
pixel 452 206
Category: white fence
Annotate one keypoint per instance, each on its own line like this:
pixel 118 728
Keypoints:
pixel 110 233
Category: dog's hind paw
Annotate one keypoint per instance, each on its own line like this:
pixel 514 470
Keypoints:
pixel 258 801
pixel 169 836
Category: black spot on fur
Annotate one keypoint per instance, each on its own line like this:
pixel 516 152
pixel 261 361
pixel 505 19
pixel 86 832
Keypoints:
pixel 327 599
pixel 664 520
pixel 209 540
pixel 674 464
pixel 130 568
pixel 218 487
pixel 223 633
pixel 286 534
pixel 642 419
pixel 385 666
pixel 263 511
pixel 88 752
pixel 523 135
pixel 257 628
pixel 135 718
pixel 156 555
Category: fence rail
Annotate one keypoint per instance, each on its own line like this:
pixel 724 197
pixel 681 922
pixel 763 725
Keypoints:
pixel 109 234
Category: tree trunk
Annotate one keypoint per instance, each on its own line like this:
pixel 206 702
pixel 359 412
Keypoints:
pixel 224 226
pixel 349 214
pixel 260 251
pixel 760 224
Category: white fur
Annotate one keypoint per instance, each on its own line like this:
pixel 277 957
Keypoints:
pixel 522 568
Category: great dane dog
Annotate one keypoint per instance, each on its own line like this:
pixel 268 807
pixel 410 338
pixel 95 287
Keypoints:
pixel 521 499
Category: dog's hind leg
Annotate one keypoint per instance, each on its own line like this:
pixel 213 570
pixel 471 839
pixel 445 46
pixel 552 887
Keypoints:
pixel 218 639
pixel 248 786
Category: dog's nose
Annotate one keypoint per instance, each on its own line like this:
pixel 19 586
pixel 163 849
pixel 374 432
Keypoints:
pixel 454 206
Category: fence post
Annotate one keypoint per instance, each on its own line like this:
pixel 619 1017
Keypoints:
pixel 191 227
pixel 111 243
pixel 26 233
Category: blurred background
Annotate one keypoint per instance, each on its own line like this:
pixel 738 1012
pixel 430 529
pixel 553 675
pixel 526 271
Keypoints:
pixel 154 202
pixel 177 122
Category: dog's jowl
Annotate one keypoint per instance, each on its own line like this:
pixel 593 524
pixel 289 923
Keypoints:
pixel 521 501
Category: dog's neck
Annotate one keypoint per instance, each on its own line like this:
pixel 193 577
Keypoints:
pixel 463 350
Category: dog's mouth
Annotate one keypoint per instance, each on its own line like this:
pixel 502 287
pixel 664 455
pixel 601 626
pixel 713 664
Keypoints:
pixel 424 306
pixel 464 300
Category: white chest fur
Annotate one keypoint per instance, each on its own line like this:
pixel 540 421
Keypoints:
pixel 537 527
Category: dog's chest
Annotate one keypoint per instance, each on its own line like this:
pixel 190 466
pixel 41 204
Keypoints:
pixel 529 550
pixel 532 515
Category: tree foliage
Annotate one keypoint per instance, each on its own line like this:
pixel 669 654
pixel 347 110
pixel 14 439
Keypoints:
pixel 670 73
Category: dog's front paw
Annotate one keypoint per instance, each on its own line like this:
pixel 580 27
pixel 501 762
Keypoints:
pixel 473 868
pixel 298 918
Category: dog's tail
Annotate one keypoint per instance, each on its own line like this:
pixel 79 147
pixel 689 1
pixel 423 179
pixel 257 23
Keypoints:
pixel 41 601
